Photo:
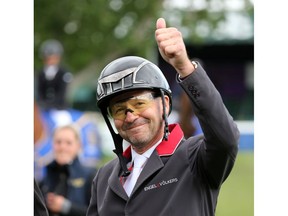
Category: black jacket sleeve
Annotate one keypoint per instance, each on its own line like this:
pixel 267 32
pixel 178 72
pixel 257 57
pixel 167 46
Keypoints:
pixel 39 203
pixel 218 151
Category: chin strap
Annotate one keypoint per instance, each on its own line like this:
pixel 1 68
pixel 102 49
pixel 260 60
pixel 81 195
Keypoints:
pixel 118 143
pixel 166 128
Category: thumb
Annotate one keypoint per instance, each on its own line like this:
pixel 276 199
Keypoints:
pixel 160 23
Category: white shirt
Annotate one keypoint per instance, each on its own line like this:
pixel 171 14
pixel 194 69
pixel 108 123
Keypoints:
pixel 147 153
pixel 132 178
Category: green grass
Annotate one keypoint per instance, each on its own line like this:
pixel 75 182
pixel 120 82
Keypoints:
pixel 236 197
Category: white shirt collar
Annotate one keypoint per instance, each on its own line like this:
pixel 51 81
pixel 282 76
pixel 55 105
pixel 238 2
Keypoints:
pixel 50 71
pixel 147 153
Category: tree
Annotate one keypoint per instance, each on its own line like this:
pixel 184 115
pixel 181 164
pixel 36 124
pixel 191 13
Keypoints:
pixel 95 32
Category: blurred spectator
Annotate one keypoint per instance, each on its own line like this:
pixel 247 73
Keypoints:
pixel 53 78
pixel 186 114
pixel 67 183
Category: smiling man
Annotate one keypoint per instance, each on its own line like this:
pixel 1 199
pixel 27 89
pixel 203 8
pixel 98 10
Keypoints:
pixel 142 132
pixel 161 173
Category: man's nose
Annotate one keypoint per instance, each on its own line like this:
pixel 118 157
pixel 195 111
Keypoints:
pixel 129 115
pixel 128 110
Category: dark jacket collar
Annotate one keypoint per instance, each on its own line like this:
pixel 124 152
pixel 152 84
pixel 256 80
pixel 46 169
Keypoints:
pixel 165 148
pixel 71 169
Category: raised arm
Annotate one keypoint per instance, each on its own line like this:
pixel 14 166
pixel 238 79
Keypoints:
pixel 219 148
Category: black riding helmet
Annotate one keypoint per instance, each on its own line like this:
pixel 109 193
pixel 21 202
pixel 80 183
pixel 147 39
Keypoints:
pixel 129 73
pixel 126 74
pixel 51 47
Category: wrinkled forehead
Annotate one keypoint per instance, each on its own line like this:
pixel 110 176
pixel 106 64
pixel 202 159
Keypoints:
pixel 127 95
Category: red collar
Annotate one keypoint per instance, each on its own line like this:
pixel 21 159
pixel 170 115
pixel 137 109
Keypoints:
pixel 168 147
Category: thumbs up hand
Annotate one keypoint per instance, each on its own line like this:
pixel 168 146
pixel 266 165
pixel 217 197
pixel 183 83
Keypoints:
pixel 172 48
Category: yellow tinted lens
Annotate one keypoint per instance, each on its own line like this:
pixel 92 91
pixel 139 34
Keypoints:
pixel 135 105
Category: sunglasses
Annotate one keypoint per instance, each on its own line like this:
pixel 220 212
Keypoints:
pixel 135 104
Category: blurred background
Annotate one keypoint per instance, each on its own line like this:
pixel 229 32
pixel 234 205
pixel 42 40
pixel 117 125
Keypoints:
pixel 218 33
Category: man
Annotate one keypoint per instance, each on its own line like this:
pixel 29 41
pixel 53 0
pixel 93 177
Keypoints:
pixel 177 176
pixel 53 79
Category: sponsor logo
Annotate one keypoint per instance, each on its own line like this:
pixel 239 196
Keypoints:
pixel 160 184
pixel 77 182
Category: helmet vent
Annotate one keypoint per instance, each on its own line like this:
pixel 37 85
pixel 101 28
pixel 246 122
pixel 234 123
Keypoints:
pixel 116 81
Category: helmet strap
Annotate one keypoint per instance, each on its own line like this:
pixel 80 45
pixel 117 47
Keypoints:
pixel 166 128
pixel 118 143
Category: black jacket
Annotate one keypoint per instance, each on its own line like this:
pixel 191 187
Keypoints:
pixel 181 177
pixel 39 202
pixel 52 93
pixel 76 184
